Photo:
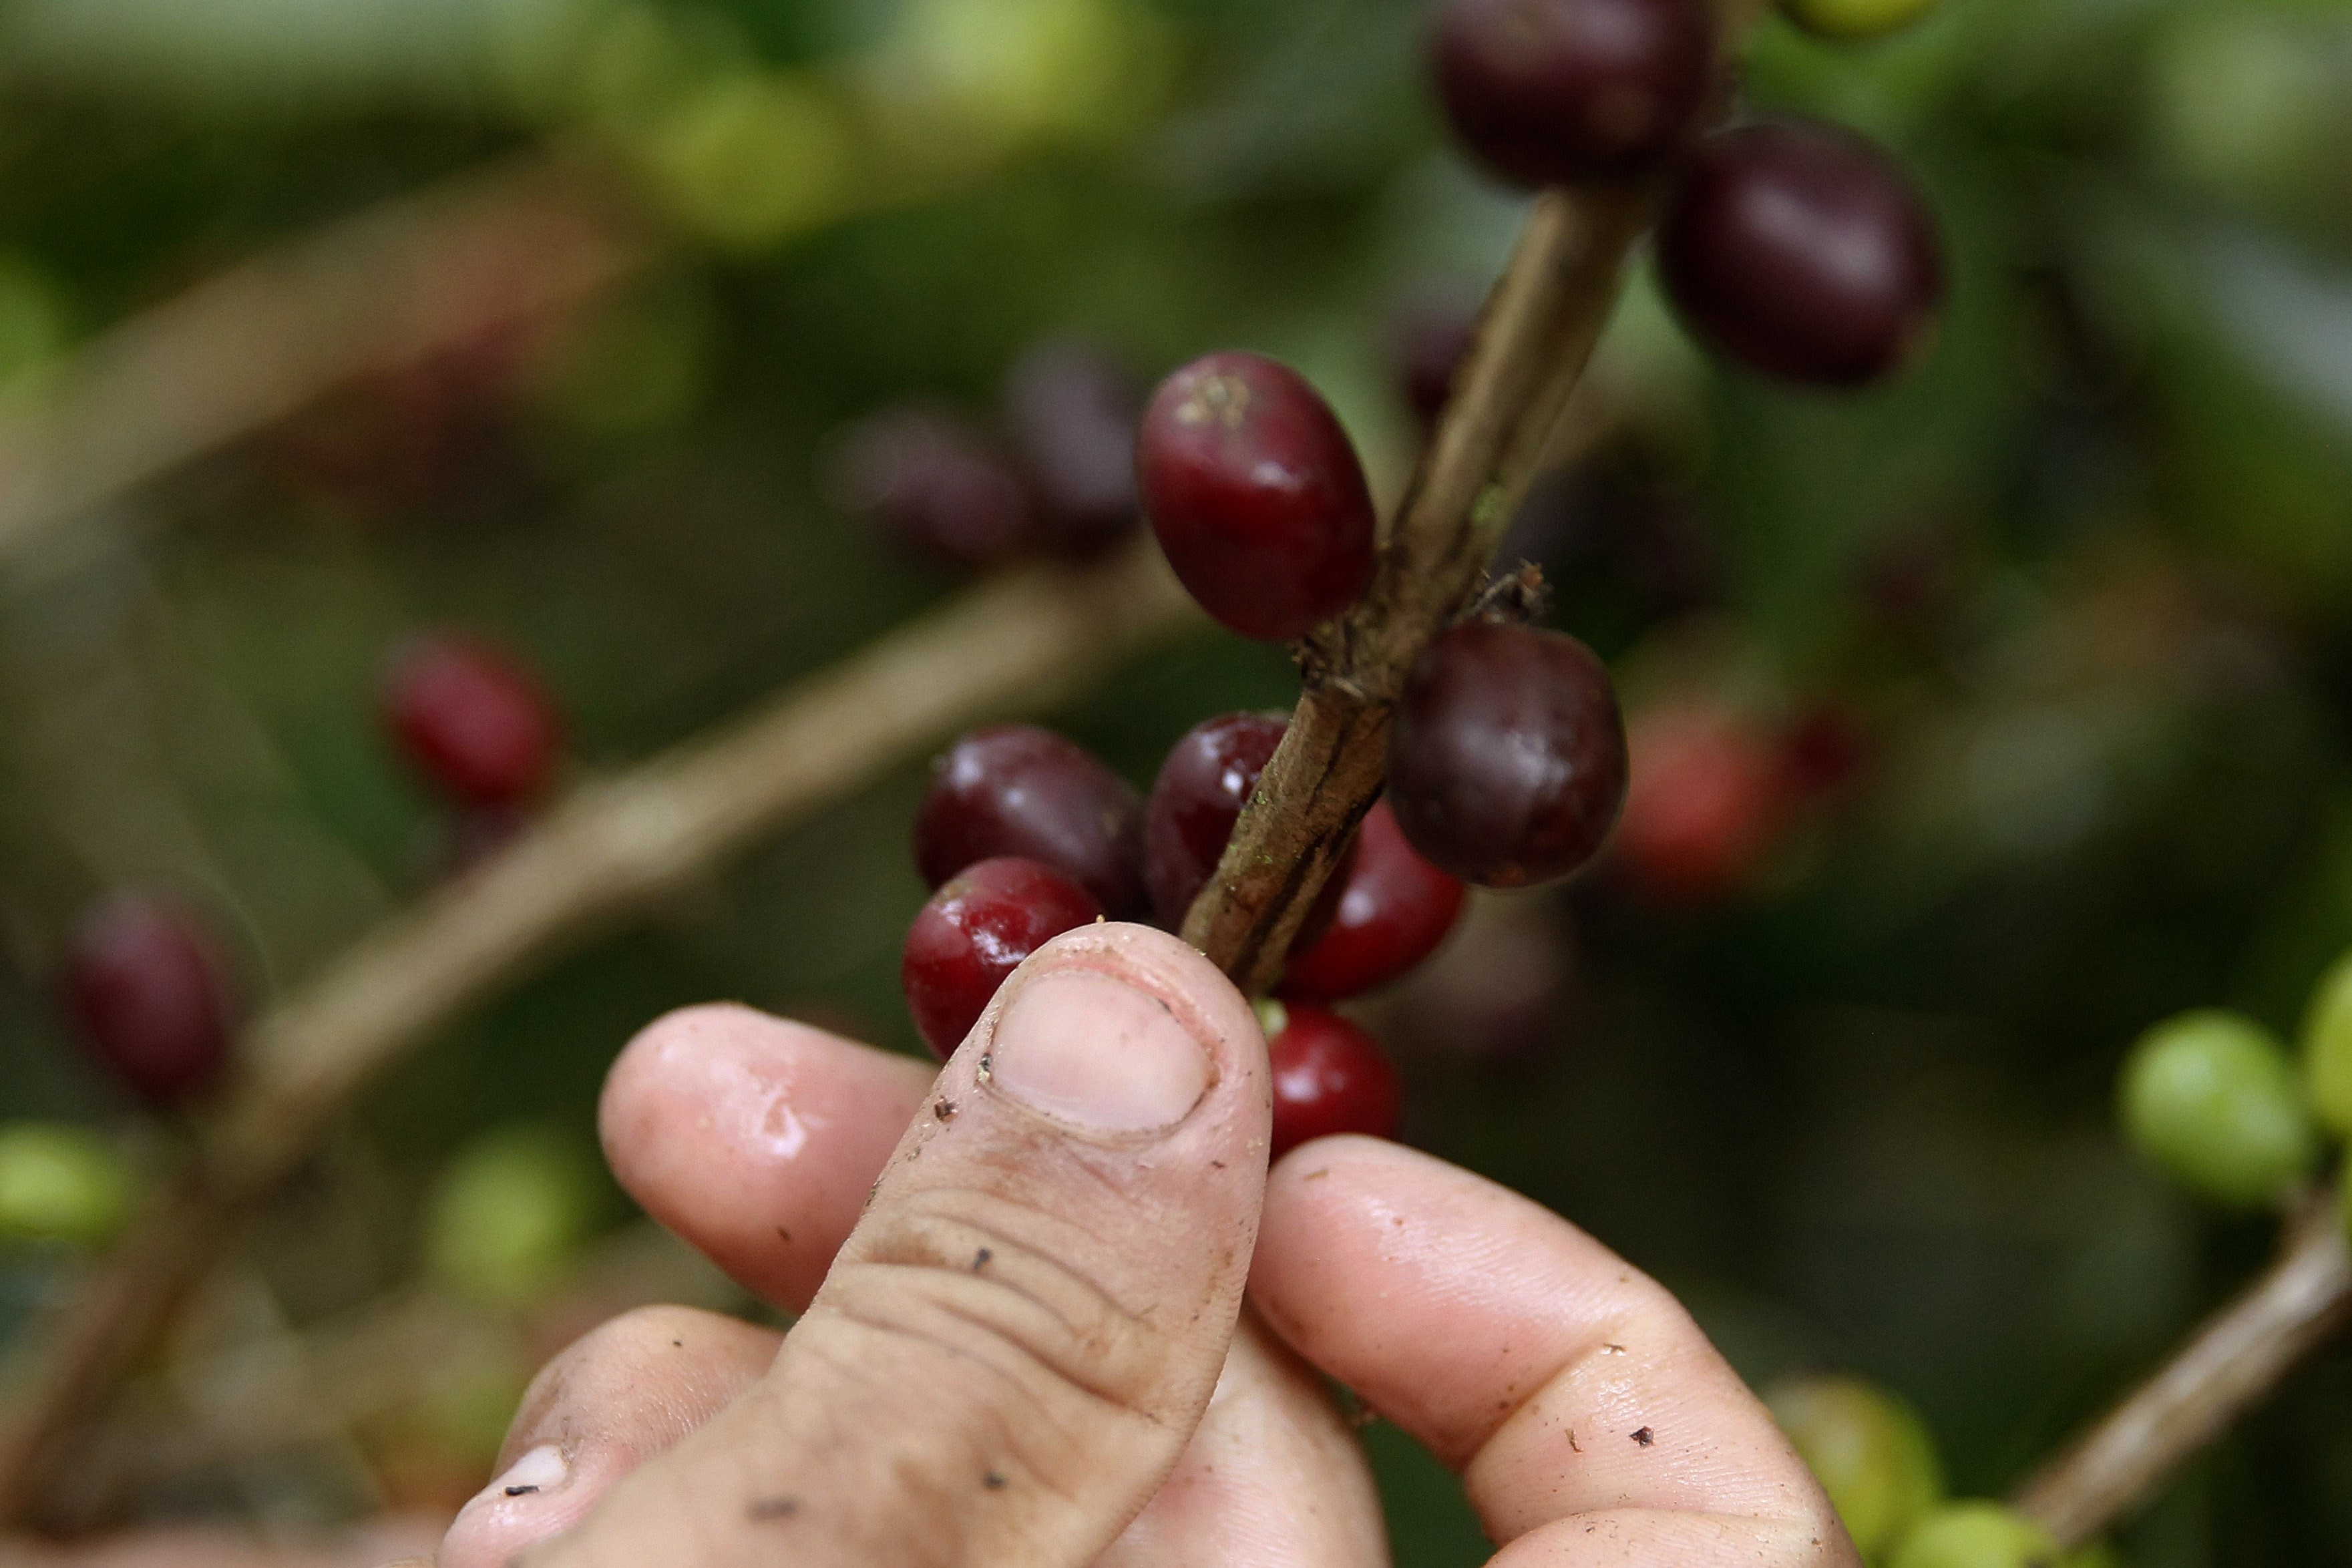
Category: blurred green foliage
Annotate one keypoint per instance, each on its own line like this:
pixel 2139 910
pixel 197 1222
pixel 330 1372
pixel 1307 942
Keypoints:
pixel 2084 582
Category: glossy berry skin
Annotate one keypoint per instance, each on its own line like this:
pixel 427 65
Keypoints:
pixel 1209 776
pixel 1394 910
pixel 1870 1451
pixel 1804 251
pixel 1018 790
pixel 934 486
pixel 1328 1075
pixel 2209 1099
pixel 2327 1049
pixel 976 929
pixel 1070 412
pixel 1854 18
pixel 1710 795
pixel 1975 1535
pixel 473 722
pixel 152 997
pixel 1506 759
pixel 1547 92
pixel 1256 495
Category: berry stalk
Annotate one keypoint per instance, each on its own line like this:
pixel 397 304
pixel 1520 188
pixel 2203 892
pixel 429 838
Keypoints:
pixel 1534 340
pixel 2230 1365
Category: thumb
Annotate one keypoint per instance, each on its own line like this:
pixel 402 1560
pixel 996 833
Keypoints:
pixel 1017 1340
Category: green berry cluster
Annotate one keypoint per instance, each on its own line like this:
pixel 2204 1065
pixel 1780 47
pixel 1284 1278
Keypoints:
pixel 1875 1457
pixel 2218 1103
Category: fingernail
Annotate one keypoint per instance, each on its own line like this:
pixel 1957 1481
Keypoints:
pixel 1085 1048
pixel 542 1469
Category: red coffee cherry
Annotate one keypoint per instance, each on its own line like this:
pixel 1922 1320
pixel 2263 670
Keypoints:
pixel 934 485
pixel 1548 92
pixel 1018 790
pixel 1070 412
pixel 1804 252
pixel 1329 1077
pixel 976 930
pixel 1506 759
pixel 1709 794
pixel 1396 908
pixel 476 723
pixel 1256 495
pixel 152 997
pixel 1208 777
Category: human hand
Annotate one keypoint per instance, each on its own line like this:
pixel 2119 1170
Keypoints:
pixel 1028 1345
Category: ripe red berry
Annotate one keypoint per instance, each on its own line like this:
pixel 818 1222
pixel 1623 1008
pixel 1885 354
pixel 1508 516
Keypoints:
pixel 152 997
pixel 1709 794
pixel 1070 412
pixel 1329 1077
pixel 1209 776
pixel 933 484
pixel 1018 790
pixel 1394 910
pixel 476 724
pixel 1507 760
pixel 976 930
pixel 1548 92
pixel 1801 249
pixel 1256 495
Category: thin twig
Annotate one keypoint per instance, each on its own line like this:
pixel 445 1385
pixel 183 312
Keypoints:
pixel 518 243
pixel 1023 642
pixel 2232 1363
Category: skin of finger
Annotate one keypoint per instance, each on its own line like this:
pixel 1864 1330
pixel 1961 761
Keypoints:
pixel 1560 1380
pixel 754 1139
pixel 710 1104
pixel 610 1402
pixel 1018 1339
pixel 1272 1476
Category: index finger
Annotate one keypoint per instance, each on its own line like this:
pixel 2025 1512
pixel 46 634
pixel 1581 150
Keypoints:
pixel 1589 1418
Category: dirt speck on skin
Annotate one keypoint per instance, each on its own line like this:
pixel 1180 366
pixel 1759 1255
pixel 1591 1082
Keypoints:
pixel 944 1109
pixel 993 1481
pixel 783 1235
pixel 677 1344
pixel 1645 1437
pixel 771 1508
pixel 980 1259
pixel 1574 1447
pixel 987 1067
pixel 521 1491
pixel 1612 1350
pixel 1315 1175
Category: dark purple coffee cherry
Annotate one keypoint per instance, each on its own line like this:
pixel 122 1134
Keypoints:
pixel 1208 777
pixel 474 721
pixel 1506 759
pixel 1256 495
pixel 934 485
pixel 1804 251
pixel 1548 92
pixel 1432 341
pixel 1070 411
pixel 1018 790
pixel 977 930
pixel 152 996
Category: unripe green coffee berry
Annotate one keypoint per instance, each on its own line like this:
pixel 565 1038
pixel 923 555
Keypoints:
pixel 2327 1049
pixel 1869 1449
pixel 1854 18
pixel 60 1182
pixel 509 1214
pixel 1975 1535
pixel 2208 1098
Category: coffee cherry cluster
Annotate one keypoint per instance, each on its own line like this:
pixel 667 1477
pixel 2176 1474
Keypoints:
pixel 2214 1100
pixel 1795 248
pixel 1054 473
pixel 1877 1462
